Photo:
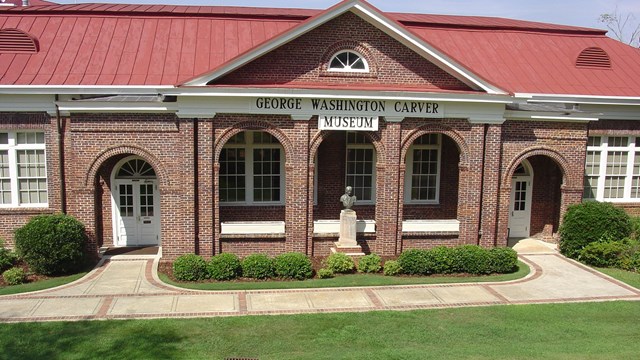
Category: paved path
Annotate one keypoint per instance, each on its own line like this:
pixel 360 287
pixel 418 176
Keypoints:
pixel 125 288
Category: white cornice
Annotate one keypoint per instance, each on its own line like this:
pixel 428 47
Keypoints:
pixel 579 99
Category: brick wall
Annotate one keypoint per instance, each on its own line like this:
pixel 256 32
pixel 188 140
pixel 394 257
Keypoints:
pixel 305 60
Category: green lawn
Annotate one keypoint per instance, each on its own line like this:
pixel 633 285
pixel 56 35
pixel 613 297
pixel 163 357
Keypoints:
pixel 348 281
pixel 628 277
pixel 40 285
pixel 606 330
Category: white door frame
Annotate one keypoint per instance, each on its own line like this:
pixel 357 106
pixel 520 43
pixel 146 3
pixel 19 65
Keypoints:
pixel 115 206
pixel 520 223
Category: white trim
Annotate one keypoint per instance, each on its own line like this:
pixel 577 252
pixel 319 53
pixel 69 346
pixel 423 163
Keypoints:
pixel 431 225
pixel 580 99
pixel 349 69
pixel 12 148
pixel 333 226
pixel 528 178
pixel 84 89
pixel 252 227
pixel 375 18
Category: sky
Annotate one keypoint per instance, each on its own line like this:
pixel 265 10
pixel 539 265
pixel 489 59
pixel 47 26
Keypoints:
pixel 568 12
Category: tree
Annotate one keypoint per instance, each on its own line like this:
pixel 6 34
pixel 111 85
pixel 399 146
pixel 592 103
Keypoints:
pixel 624 27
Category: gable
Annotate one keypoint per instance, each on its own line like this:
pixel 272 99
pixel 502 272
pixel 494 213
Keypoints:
pixel 304 61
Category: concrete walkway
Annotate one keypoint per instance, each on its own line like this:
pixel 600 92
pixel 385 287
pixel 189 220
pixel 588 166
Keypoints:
pixel 124 287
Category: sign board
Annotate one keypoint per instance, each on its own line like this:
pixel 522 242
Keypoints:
pixel 351 123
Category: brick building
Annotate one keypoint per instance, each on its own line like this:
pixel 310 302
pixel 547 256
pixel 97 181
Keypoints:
pixel 222 129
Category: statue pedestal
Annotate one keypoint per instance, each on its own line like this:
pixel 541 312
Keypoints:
pixel 347 242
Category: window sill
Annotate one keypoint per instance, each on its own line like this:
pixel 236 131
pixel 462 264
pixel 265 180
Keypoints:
pixel 333 226
pixel 446 226
pixel 250 228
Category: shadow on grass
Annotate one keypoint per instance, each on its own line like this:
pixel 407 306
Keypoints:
pixel 102 340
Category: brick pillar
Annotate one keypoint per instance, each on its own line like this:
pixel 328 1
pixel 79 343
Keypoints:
pixel 491 195
pixel 205 186
pixel 297 185
pixel 388 186
pixel 83 208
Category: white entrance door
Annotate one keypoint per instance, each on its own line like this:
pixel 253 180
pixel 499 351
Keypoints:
pixel 520 206
pixel 137 216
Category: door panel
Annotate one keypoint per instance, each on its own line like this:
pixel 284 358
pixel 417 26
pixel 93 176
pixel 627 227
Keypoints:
pixel 138 218
pixel 520 207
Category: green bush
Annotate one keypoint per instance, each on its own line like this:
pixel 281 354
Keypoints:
pixel 416 262
pixel 392 268
pixel 225 266
pixel 325 273
pixel 14 276
pixel 293 266
pixel 635 262
pixel 603 254
pixel 257 266
pixel 590 222
pixel 190 267
pixel 472 259
pixel 635 227
pixel 371 263
pixel 52 244
pixel 7 257
pixel 340 263
pixel 503 260
pixel 443 260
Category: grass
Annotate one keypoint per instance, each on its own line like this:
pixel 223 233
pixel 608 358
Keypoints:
pixel 606 330
pixel 40 285
pixel 350 280
pixel 627 277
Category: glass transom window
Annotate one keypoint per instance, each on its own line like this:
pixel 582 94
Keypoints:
pixel 252 170
pixel 348 61
pixel 23 172
pixel 612 169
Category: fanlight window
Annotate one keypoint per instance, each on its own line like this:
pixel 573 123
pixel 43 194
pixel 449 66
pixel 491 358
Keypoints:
pixel 348 61
pixel 136 168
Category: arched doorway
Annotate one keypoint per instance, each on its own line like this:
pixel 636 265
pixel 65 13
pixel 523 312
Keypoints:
pixel 520 201
pixel 135 203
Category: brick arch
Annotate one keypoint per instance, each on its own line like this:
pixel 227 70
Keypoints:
pixel 560 160
pixel 362 48
pixel 374 137
pixel 254 125
pixel 463 148
pixel 105 155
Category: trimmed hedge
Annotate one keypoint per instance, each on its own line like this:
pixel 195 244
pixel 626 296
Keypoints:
pixel 325 273
pixel 7 258
pixel 225 266
pixel 591 222
pixel 52 244
pixel 371 263
pixel 340 263
pixel 471 259
pixel 257 266
pixel 14 276
pixel 190 267
pixel 392 268
pixel 293 266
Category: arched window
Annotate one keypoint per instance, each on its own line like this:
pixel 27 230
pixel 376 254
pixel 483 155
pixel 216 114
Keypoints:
pixel 136 169
pixel 348 61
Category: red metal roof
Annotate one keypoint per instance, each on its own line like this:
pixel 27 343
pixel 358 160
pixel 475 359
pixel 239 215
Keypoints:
pixel 111 44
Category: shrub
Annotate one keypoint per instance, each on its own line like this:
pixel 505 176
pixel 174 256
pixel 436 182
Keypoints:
pixel 14 276
pixel 189 267
pixel 257 266
pixel 325 273
pixel 589 222
pixel 371 263
pixel 472 259
pixel 225 266
pixel 635 262
pixel 635 227
pixel 416 262
pixel 7 257
pixel 503 260
pixel 340 263
pixel 52 244
pixel 443 260
pixel 392 268
pixel 603 254
pixel 293 266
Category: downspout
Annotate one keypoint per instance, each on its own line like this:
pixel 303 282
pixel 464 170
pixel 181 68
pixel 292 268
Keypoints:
pixel 196 192
pixel 63 182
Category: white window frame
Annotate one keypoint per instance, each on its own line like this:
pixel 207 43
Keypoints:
pixel 604 149
pixel 13 147
pixel 249 146
pixel 408 178
pixel 374 161
pixel 348 69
